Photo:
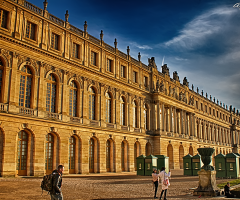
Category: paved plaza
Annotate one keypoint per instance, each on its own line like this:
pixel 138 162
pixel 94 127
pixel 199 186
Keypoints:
pixel 109 186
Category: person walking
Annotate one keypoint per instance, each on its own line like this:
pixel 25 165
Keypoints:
pixel 56 193
pixel 165 182
pixel 155 181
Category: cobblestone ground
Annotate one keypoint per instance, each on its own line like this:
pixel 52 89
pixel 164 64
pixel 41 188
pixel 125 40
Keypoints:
pixel 109 186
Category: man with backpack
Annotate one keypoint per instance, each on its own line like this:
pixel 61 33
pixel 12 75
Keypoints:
pixel 56 192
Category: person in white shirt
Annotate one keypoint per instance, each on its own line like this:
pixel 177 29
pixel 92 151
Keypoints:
pixel 165 182
pixel 155 180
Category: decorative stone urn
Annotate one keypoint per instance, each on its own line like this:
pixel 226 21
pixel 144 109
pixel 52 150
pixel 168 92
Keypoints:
pixel 206 157
pixel 207 175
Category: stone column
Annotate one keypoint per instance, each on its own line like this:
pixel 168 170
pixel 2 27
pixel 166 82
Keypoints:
pixel 139 113
pixel 65 99
pixel 178 122
pixel 170 119
pixel 158 115
pixel 204 130
pixel 85 151
pixel 181 121
pixel 163 118
pixel 113 110
pixel 185 122
pixel 13 97
pixel 175 120
pixel 220 135
pixel 194 125
pixel 217 134
pixel 5 85
pixel 118 161
pixel 85 102
pixel 117 108
pixel 167 119
pixel 102 154
pixel 190 125
pixel 35 92
pixel 127 114
pixel 102 104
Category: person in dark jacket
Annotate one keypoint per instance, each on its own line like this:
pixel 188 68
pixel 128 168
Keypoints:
pixel 227 191
pixel 56 193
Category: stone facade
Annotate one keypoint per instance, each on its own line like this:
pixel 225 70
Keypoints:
pixel 69 98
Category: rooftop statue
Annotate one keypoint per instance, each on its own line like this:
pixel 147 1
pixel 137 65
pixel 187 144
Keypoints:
pixel 185 82
pixel 151 62
pixel 165 69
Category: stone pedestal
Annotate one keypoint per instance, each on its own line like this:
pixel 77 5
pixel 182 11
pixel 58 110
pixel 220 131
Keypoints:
pixel 207 184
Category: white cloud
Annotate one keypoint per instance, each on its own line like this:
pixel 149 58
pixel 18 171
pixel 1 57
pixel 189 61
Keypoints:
pixel 197 30
pixel 180 59
pixel 141 46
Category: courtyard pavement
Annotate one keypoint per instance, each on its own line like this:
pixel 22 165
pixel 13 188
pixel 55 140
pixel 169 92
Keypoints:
pixel 105 186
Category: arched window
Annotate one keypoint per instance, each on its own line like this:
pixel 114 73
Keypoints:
pixel 122 111
pixel 108 155
pixel 1 76
pixel 25 87
pixel 91 155
pixel 22 153
pixel 51 94
pixel 137 152
pixel 72 151
pixel 49 153
pixel 92 96
pixel 124 156
pixel 108 108
pixel 134 114
pixel 73 99
pixel 145 113
pixel 148 149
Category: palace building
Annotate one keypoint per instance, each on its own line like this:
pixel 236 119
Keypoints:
pixel 69 98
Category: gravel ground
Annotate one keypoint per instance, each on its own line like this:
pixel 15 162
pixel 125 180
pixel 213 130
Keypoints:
pixel 109 186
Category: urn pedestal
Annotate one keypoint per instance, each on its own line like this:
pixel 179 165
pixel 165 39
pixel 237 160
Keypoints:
pixel 207 184
pixel 207 176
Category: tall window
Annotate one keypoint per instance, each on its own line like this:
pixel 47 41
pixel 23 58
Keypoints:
pixel 92 96
pixel 73 99
pixel 3 18
pixel 108 108
pixel 54 41
pixel 134 77
pixel 145 81
pixel 1 76
pixel 122 156
pixel 91 155
pixel 145 112
pixel 75 53
pixel 25 87
pixel 72 147
pixel 134 114
pixel 30 30
pixel 22 153
pixel 108 151
pixel 51 94
pixel 49 152
pixel 93 58
pixel 123 71
pixel 122 111
pixel 109 65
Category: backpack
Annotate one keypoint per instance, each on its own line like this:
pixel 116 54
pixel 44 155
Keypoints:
pixel 47 183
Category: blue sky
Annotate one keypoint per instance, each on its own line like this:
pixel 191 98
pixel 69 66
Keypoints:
pixel 199 39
